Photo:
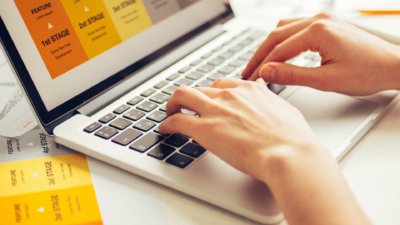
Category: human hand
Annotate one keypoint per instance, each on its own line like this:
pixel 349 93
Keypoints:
pixel 353 62
pixel 241 122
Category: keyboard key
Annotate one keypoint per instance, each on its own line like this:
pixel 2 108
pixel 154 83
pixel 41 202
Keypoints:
pixel 215 76
pixel 173 77
pixel 147 106
pixel 121 109
pixel 317 58
pixel 245 42
pixel 120 123
pixel 246 56
pixel 189 112
pixel 161 151
pixel 206 68
pixel 206 56
pixel 92 127
pixel 127 137
pixel 195 75
pixel 227 42
pixel 184 82
pixel 195 63
pixel 107 118
pixel 253 50
pixel 204 83
pixel 159 98
pixel 227 69
pixel 216 61
pixel 134 115
pixel 217 49
pixel 179 160
pixel 158 132
pixel 161 84
pixel 309 56
pixel 146 142
pixel 185 69
pixel 106 132
pixel 148 92
pixel 237 63
pixel 246 30
pixel 163 108
pixel 236 48
pixel 193 150
pixel 237 36
pixel 256 35
pixel 226 55
pixel 176 140
pixel 309 64
pixel 135 100
pixel 157 116
pixel 170 90
pixel 144 125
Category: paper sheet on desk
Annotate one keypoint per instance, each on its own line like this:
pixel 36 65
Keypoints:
pixel 122 197
pixel 358 5
pixel 16 117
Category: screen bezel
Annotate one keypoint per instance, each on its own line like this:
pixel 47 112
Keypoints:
pixel 48 117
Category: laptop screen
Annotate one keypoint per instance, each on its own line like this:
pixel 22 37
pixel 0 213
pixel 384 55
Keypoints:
pixel 69 46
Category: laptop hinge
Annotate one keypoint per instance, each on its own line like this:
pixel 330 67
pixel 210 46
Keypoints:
pixel 149 71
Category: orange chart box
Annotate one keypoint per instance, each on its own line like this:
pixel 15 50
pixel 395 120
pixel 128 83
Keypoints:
pixel 93 25
pixel 53 34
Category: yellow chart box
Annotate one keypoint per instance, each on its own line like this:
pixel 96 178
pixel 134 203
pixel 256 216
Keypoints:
pixel 45 174
pixel 93 24
pixel 130 17
pixel 73 206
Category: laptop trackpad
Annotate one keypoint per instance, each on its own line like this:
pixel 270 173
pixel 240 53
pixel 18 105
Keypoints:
pixel 331 116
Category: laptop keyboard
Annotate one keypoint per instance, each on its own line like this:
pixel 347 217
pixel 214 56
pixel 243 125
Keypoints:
pixel 135 124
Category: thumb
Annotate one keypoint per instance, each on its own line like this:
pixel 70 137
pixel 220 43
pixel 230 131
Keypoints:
pixel 283 73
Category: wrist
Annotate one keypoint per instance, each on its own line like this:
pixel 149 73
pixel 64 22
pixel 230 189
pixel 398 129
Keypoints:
pixel 393 83
pixel 286 161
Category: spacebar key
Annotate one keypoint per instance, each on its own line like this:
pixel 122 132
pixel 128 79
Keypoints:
pixel 146 142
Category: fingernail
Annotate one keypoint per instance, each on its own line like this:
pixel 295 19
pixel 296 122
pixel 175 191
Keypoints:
pixel 268 73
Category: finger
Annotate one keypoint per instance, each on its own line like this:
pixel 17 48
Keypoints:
pixel 180 123
pixel 293 46
pixel 321 78
pixel 225 82
pixel 188 98
pixel 210 92
pixel 276 37
pixel 288 21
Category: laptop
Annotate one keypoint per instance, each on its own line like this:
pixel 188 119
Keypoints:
pixel 98 75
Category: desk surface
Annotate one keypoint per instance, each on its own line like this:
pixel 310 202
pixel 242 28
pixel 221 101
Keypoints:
pixel 371 168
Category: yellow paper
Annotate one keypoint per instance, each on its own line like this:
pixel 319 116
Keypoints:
pixel 54 190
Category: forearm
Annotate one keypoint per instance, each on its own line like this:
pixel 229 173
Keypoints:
pixel 391 71
pixel 310 189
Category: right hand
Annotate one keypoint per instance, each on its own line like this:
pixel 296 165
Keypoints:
pixel 353 62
